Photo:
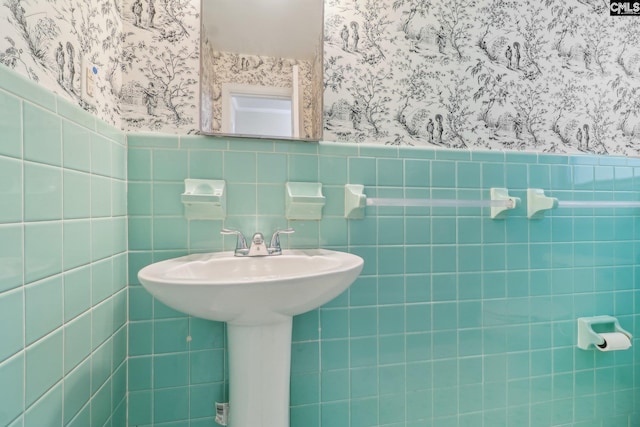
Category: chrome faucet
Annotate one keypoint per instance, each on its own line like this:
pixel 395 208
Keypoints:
pixel 258 246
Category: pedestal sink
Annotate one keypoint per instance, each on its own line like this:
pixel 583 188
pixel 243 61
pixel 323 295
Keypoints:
pixel 257 297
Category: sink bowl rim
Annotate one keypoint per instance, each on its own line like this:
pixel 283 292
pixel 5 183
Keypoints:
pixel 158 272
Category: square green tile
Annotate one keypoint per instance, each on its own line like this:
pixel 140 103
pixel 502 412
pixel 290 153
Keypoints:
pixel 390 172
pixel 169 233
pixel 76 246
pixel 170 165
pixel 170 404
pixel 362 171
pixel 171 370
pixel 77 195
pixel 272 168
pixel 240 167
pixel 206 366
pixel 43 308
pixel 76 147
pixel 363 292
pixel 77 292
pixel 118 198
pixel 304 388
pixel 12 315
pixel 101 280
pixel 77 390
pixel 77 343
pixel 42 141
pixel 392 380
pixel 139 198
pixel 119 237
pixel 305 357
pixel 140 338
pixel 139 164
pixel 170 335
pixel 40 414
pixel 206 334
pixel 166 199
pixel 140 373
pixel 44 366
pixel 417 173
pixel 363 321
pixel 42 192
pixel 200 398
pixel 101 323
pixel 11 190
pixel 364 382
pixel 332 169
pixel 10 125
pixel 469 175
pixel 118 161
pixel 493 175
pixel 101 408
pixel 391 349
pixel 443 174
pixel 100 196
pixel 140 407
pixel 43 250
pixel 306 326
pixel 242 199
pixel 205 164
pixel 102 237
pixel 11 258
pixel 364 352
pixel 101 155
pixel 335 354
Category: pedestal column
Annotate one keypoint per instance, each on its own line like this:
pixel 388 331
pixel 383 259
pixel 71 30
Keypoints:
pixel 259 372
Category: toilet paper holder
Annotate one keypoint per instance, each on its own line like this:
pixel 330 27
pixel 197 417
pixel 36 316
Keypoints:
pixel 590 328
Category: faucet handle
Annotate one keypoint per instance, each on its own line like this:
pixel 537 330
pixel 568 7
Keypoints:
pixel 275 239
pixel 241 243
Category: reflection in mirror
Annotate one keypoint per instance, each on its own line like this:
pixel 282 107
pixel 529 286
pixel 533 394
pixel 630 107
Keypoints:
pixel 261 68
pixel 251 115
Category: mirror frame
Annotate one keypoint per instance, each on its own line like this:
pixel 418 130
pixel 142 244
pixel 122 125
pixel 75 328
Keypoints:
pixel 317 87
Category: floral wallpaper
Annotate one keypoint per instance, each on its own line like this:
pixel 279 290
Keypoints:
pixel 538 75
pixel 225 67
pixel 161 65
pixel 48 41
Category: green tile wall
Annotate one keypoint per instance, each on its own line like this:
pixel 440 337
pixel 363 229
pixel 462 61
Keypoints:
pixel 456 320
pixel 63 263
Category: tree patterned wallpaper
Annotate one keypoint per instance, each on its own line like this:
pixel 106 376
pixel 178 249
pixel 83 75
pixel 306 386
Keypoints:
pixel 48 41
pixel 160 90
pixel 537 75
pixel 556 76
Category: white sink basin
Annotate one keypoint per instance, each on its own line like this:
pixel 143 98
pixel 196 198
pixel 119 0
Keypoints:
pixel 251 290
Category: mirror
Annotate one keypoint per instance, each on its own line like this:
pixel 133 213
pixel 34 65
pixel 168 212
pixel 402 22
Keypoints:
pixel 261 68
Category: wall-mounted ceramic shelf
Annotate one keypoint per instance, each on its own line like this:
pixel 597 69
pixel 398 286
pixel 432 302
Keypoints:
pixel 204 199
pixel 304 201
